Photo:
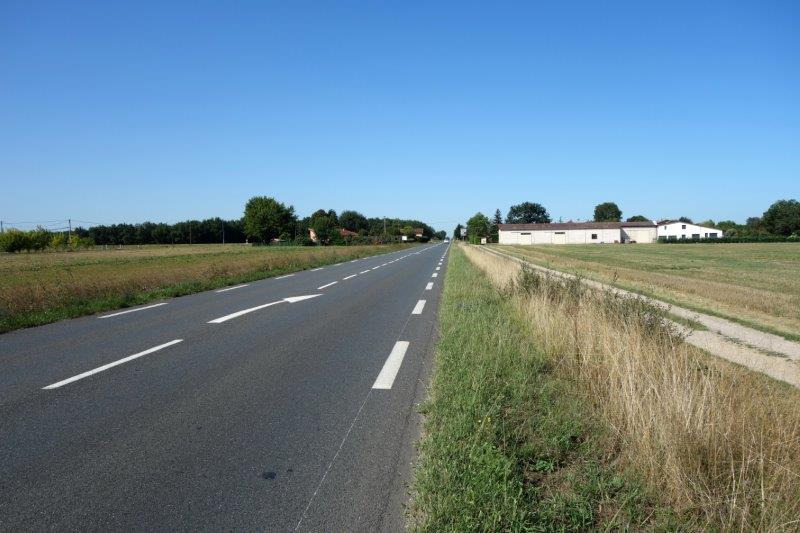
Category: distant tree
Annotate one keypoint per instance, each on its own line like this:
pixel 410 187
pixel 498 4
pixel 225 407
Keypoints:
pixel 265 218
pixel 638 218
pixel 686 220
pixel 325 228
pixel 441 235
pixel 478 226
pixel 14 240
pixel 782 217
pixel 354 221
pixel 457 232
pixel 708 223
pixel 527 213
pixel 494 228
pixel 754 225
pixel 607 212
pixel 731 228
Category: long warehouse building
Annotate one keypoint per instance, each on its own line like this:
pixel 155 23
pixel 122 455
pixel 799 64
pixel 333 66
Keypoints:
pixel 577 233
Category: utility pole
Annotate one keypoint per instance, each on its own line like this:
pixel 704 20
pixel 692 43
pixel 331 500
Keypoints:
pixel 69 235
pixel 1 227
pixel 384 226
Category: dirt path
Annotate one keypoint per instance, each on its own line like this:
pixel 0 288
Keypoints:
pixel 763 352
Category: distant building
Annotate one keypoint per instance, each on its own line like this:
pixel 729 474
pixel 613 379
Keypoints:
pixel 418 232
pixel 577 233
pixel 343 232
pixel 676 230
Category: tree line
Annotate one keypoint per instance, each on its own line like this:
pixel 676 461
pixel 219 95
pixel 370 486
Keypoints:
pixel 781 221
pixel 265 221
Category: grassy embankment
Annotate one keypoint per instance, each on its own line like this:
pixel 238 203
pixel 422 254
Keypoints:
pixel 757 285
pixel 553 407
pixel 40 288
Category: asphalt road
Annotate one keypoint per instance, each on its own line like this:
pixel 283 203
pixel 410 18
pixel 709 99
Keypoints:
pixel 194 414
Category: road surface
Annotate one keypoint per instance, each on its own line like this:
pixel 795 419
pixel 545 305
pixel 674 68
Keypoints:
pixel 283 404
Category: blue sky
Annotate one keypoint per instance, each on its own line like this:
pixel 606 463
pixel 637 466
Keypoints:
pixel 147 111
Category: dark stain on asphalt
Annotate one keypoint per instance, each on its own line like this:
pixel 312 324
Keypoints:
pixel 269 475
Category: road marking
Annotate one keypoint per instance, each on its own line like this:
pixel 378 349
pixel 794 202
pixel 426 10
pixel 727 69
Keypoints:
pixel 364 272
pixel 383 265
pixel 327 285
pixel 111 365
pixel 291 299
pixel 236 287
pixel 133 310
pixel 315 269
pixel 286 276
pixel 429 286
pixel 435 275
pixel 385 379
pixel 376 268
pixel 354 260
pixel 418 308
pixel 348 277
pixel 438 268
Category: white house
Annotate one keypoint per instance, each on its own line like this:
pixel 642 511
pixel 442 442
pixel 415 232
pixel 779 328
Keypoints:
pixel 577 233
pixel 676 230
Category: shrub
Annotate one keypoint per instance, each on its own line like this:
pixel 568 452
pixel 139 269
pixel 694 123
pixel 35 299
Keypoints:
pixel 14 240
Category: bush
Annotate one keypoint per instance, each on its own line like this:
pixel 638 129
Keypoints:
pixel 14 240
pixel 737 239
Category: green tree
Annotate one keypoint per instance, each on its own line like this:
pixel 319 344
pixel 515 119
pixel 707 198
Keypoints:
pixel 457 232
pixel 265 218
pixel 607 212
pixel 324 227
pixel 638 218
pixel 354 221
pixel 14 240
pixel 441 235
pixel 478 226
pixel 527 213
pixel 687 220
pixel 782 217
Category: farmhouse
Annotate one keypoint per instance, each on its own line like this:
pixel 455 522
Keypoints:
pixel 675 229
pixel 577 233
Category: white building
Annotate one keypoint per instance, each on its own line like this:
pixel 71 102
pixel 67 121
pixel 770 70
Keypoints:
pixel 577 233
pixel 676 230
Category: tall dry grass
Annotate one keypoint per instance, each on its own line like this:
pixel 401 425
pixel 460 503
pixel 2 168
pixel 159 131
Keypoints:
pixel 717 442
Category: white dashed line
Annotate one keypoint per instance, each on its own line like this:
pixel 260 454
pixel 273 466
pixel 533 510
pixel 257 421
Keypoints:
pixel 348 277
pixel 390 368
pixel 133 310
pixel 316 269
pixel 429 286
pixel 286 276
pixel 237 314
pixel 364 272
pixel 438 268
pixel 418 308
pixel 112 365
pixel 376 268
pixel 231 288
pixel 327 285
pixel 435 275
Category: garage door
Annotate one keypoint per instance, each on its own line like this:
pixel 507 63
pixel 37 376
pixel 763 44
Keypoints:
pixel 559 237
pixel 525 238
pixel 639 235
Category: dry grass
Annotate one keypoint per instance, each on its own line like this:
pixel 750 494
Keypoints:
pixel 719 443
pixel 756 283
pixel 41 287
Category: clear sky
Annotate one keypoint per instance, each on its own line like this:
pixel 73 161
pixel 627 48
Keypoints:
pixel 431 110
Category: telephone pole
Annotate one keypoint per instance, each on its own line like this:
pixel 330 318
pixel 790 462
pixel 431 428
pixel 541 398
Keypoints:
pixel 1 227
pixel 69 235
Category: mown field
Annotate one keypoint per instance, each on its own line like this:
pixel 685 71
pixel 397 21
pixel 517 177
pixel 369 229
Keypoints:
pixel 754 284
pixel 556 408
pixel 38 288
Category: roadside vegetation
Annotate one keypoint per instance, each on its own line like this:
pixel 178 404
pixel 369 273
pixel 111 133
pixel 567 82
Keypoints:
pixel 40 288
pixel 562 408
pixel 754 284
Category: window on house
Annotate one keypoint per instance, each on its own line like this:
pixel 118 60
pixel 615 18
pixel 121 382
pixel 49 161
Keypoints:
pixel 524 233
pixel 712 235
pixel 594 236
pixel 683 237
pixel 683 226
pixel 673 237
pixel 560 233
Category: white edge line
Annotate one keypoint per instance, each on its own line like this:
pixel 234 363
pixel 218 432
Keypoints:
pixel 235 287
pixel 385 379
pixel 429 286
pixel 133 310
pixel 418 308
pixel 286 276
pixel 327 285
pixel 315 269
pixel 111 365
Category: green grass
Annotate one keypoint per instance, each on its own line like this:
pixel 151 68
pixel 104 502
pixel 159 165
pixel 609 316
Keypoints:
pixel 757 285
pixel 40 288
pixel 508 445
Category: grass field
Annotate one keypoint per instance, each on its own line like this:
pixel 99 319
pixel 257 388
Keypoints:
pixel 39 288
pixel 754 284
pixel 557 408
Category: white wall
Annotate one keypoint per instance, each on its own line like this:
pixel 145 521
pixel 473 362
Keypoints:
pixel 640 235
pixel 678 230
pixel 572 236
